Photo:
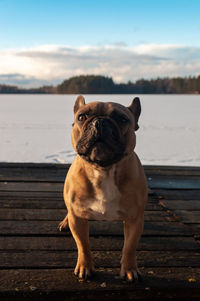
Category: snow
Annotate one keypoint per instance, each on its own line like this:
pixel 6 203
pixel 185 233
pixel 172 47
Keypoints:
pixel 37 128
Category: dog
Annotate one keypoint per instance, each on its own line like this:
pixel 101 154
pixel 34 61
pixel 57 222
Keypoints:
pixel 106 181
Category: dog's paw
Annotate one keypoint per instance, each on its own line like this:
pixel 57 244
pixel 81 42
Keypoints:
pixel 84 271
pixel 63 226
pixel 131 275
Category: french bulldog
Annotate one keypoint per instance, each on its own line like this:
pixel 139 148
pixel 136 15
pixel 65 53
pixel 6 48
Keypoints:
pixel 106 181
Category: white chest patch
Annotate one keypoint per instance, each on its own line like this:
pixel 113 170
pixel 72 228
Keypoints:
pixel 105 206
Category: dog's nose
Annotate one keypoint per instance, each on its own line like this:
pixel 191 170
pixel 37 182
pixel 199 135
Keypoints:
pixel 104 128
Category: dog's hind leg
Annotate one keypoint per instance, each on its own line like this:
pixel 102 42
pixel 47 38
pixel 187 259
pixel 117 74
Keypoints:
pixel 63 226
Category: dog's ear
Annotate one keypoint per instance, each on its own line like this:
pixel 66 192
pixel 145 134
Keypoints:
pixel 80 101
pixel 135 108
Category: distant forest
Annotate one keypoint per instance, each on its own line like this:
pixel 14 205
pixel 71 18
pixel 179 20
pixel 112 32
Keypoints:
pixel 92 84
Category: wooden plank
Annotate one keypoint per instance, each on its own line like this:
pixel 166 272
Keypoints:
pixel 188 217
pixel 178 194
pixel 25 182
pixel 31 187
pixel 96 228
pixel 25 190
pixel 35 203
pixel 60 284
pixel 172 170
pixel 154 183
pixel 15 196
pixel 196 229
pixel 59 214
pixel 52 196
pixel 50 228
pixel 180 205
pixel 50 203
pixel 32 166
pixel 31 194
pixel 32 214
pixel 38 169
pixel 173 182
pixel 65 243
pixel 38 172
pixel 109 259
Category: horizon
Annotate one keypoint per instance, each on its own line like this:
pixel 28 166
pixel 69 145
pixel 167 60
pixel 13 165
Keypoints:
pixel 99 75
pixel 46 42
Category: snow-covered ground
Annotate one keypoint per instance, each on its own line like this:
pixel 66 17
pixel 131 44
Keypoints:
pixel 37 128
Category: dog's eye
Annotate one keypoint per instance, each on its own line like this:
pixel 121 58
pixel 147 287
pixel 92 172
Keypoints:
pixel 123 119
pixel 82 117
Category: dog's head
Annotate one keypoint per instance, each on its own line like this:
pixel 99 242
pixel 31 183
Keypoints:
pixel 103 133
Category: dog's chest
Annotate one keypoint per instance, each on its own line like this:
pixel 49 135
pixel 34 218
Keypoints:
pixel 105 204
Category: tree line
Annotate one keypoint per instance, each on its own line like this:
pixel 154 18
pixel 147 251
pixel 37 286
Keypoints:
pixel 94 84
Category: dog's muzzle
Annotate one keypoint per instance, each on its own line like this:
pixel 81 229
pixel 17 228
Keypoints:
pixel 101 142
pixel 105 129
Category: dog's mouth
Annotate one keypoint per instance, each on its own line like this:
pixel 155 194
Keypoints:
pixel 101 143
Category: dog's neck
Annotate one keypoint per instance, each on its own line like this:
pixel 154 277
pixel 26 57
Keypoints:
pixel 103 164
pixel 91 166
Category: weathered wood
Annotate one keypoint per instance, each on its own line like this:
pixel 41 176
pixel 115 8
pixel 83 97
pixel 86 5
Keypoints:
pixel 173 182
pixel 159 284
pixel 96 228
pixel 178 194
pixel 196 230
pixel 167 194
pixel 31 194
pixel 180 205
pixel 59 214
pixel 171 171
pixel 15 196
pixel 188 217
pixel 154 182
pixel 31 187
pixel 56 172
pixel 104 259
pixel 21 169
pixel 36 172
pixel 32 214
pixel 66 243
pixel 31 206
pixel 33 203
pixel 157 182
pixel 52 203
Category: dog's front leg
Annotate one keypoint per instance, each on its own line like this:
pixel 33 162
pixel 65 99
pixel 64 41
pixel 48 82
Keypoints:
pixel 132 232
pixel 80 231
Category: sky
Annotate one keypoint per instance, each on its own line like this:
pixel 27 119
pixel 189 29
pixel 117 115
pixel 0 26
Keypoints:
pixel 46 41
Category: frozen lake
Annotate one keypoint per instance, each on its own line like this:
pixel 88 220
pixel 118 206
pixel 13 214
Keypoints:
pixel 37 128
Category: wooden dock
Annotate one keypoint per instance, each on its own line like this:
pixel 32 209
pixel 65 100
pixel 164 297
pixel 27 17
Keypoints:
pixel 36 261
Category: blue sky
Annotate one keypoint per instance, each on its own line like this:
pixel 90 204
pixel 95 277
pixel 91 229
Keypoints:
pixel 151 31
pixel 90 22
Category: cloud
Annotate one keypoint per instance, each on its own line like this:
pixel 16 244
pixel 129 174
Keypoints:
pixel 22 80
pixel 51 64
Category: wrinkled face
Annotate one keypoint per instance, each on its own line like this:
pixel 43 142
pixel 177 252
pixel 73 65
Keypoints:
pixel 103 133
